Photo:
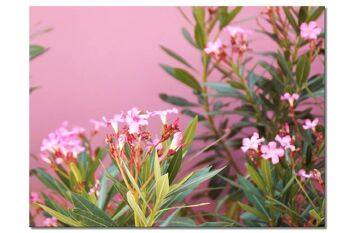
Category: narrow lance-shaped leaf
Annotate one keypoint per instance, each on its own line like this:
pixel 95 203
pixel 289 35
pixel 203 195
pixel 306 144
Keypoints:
pixel 162 188
pixel 189 133
pixel 81 203
pixel 302 71
pixel 183 76
pixel 174 165
pixel 136 208
pixel 61 217
pixel 35 51
pixel 177 57
pixel 175 100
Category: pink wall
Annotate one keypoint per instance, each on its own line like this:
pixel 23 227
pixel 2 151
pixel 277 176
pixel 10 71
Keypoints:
pixel 103 60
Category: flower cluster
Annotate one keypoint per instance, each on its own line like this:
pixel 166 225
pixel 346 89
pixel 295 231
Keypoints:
pixel 62 145
pixel 290 98
pixel 239 43
pixel 310 124
pixel 309 31
pixel 273 150
pixel 314 174
pixel 132 131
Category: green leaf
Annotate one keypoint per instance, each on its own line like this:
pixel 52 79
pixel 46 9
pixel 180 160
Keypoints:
pixel 224 89
pixel 162 188
pixel 193 114
pixel 74 169
pixel 283 63
pixel 226 18
pixel 169 219
pixel 49 202
pixel 89 219
pixel 199 15
pixel 200 37
pixel 35 51
pixel 178 101
pixel 316 14
pixel 189 133
pixel 303 13
pixel 91 211
pixel 177 57
pixel 216 224
pixel 112 171
pixel 302 71
pixel 253 211
pixel 188 37
pixel 194 181
pixel 181 222
pixel 291 19
pixel 50 182
pixel 256 178
pixel 266 174
pixel 174 165
pixel 137 210
pixel 61 217
pixel 183 76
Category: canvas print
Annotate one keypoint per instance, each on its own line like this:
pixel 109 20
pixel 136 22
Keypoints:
pixel 177 117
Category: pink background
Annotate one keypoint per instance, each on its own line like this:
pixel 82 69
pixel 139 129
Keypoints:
pixel 103 60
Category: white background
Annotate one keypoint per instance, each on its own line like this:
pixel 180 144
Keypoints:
pixel 14 104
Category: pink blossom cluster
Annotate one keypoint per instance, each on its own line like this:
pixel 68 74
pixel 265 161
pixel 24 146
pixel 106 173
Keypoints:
pixel 50 222
pixel 62 145
pixel 131 128
pixel 273 150
pixel 315 174
pixel 239 43
pixel 290 98
pixel 135 119
pixel 310 124
pixel 309 31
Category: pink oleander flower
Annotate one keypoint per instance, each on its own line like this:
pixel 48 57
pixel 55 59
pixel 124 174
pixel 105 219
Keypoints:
pixel 271 151
pixel 290 98
pixel 34 197
pixel 309 31
pixel 286 142
pixel 308 124
pixel 118 197
pixel 215 48
pixel 164 113
pixel 252 143
pixel 176 143
pixel 98 124
pixel 62 144
pixel 239 39
pixel 118 118
pixel 50 222
pixel 135 118
pixel 303 175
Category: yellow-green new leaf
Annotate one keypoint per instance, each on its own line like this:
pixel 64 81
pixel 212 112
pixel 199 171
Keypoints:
pixel 162 188
pixel 135 207
pixel 189 133
pixel 61 217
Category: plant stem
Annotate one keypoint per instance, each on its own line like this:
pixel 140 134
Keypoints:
pixel 212 124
